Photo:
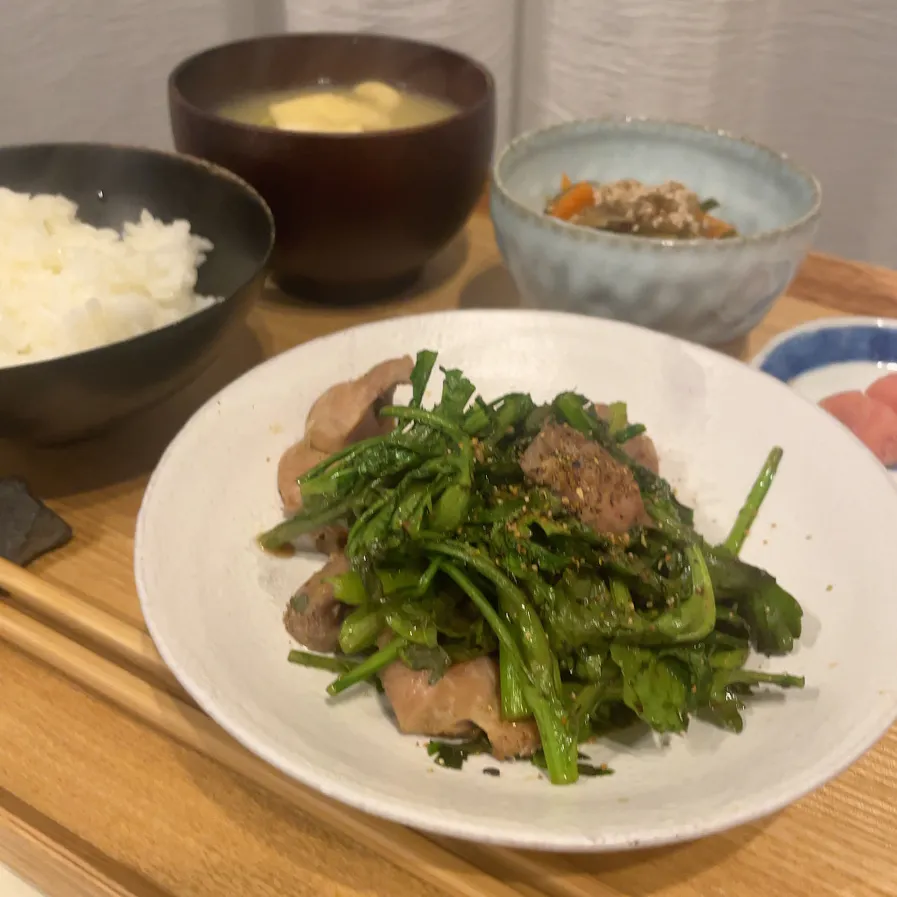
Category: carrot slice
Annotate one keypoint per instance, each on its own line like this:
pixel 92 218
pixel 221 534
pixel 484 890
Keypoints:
pixel 715 228
pixel 572 201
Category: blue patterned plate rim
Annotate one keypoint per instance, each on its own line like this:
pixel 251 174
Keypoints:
pixel 818 344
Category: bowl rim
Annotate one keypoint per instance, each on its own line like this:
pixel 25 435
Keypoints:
pixel 462 113
pixel 212 168
pixel 814 325
pixel 624 122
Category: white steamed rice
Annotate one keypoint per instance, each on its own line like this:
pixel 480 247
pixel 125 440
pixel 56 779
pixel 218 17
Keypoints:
pixel 66 286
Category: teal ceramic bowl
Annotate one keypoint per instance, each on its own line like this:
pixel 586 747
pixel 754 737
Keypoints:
pixel 707 291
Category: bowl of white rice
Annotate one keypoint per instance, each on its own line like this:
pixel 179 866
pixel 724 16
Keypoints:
pixel 120 271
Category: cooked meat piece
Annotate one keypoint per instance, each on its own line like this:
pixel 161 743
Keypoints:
pixel 602 492
pixel 641 449
pixel 347 412
pixel 313 616
pixel 297 460
pixel 28 528
pixel 466 696
pixel 329 539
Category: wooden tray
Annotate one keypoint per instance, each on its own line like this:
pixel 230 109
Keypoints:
pixel 95 802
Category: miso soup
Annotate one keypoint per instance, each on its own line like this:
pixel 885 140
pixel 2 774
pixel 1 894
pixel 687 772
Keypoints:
pixel 369 106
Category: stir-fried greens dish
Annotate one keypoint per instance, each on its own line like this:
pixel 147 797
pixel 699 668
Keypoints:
pixel 517 574
pixel 669 210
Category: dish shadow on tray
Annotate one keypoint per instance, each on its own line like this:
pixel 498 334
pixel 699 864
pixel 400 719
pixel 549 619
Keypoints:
pixel 632 873
pixel 440 269
pixel 253 805
pixel 635 873
pixel 297 826
pixel 132 447
pixel 493 287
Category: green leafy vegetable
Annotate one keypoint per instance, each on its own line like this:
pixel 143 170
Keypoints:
pixel 322 662
pixel 748 512
pixel 588 770
pixel 656 686
pixel 349 588
pixel 368 667
pixel 630 432
pixel 420 376
pixel 453 754
pixel 456 555
pixel 434 660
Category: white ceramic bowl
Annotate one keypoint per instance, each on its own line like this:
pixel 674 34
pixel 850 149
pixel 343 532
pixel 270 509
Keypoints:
pixel 214 602
pixel 708 291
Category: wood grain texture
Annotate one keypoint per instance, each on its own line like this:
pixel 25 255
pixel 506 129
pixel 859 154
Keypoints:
pixel 102 631
pixel 163 819
pixel 846 286
pixel 94 790
pixel 51 858
pixel 188 726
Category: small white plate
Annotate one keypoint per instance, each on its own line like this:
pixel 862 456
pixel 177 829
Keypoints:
pixel 214 603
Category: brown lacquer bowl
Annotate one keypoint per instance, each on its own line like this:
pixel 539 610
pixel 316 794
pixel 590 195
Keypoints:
pixel 352 210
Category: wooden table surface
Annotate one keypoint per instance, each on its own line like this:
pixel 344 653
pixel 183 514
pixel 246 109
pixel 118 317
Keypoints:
pixel 95 803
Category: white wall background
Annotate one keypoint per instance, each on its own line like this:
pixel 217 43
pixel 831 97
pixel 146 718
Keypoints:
pixel 816 78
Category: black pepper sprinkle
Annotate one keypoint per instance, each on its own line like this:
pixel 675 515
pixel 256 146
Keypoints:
pixel 491 771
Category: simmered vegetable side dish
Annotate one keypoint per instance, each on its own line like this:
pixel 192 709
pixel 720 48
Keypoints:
pixel 628 206
pixel 517 574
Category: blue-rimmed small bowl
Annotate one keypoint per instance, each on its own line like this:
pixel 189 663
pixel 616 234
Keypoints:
pixel 708 291
pixel 831 355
